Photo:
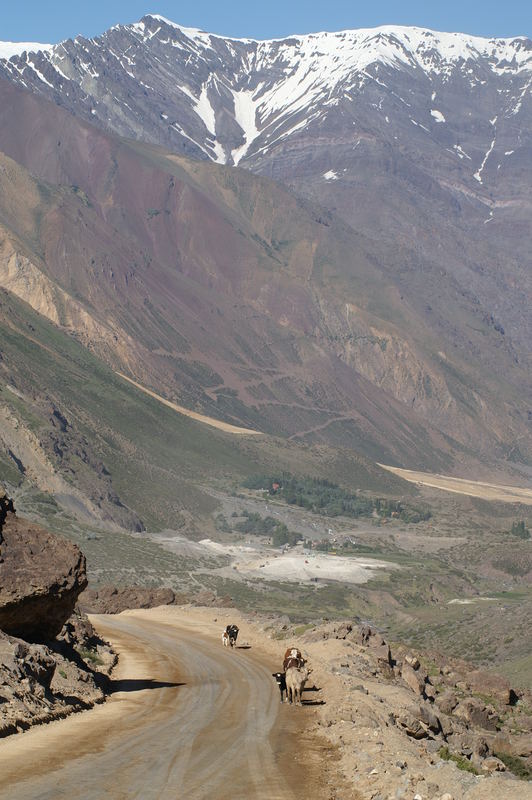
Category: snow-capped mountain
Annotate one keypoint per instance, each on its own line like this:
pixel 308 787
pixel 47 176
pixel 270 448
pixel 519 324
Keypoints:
pixel 10 49
pixel 403 260
pixel 233 100
pixel 413 137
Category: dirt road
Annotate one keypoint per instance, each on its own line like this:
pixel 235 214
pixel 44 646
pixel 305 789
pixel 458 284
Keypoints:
pixel 486 491
pixel 189 720
pixel 226 427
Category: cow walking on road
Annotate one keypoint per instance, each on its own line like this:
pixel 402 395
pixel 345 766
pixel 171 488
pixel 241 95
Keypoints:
pixel 295 683
pixel 229 636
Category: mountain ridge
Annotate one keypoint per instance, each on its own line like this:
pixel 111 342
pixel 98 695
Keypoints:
pixel 315 64
pixel 10 49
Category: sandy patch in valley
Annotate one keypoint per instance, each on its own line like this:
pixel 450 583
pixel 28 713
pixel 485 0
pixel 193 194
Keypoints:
pixel 297 566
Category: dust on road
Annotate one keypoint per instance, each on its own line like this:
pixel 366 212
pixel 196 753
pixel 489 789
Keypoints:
pixel 189 719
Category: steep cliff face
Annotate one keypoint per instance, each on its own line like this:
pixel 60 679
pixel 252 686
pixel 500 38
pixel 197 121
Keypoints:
pixel 6 507
pixel 23 278
pixel 40 683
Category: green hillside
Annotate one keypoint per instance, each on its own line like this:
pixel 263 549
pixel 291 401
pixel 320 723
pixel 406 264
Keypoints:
pixel 118 441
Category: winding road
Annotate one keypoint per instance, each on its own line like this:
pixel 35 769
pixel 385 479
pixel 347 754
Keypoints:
pixel 188 720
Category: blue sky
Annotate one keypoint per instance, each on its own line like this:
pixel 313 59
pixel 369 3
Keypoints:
pixel 51 21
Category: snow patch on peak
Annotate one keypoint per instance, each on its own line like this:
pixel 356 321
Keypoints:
pixel 438 116
pixel 205 111
pixel 192 33
pixel 10 49
pixel 478 175
pixel 331 175
pixel 433 51
pixel 460 152
pixel 246 117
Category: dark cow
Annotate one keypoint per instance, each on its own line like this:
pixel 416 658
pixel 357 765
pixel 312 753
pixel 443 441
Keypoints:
pixel 280 679
pixel 229 636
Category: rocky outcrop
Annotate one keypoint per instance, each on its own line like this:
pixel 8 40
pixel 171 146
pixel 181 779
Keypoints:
pixel 6 507
pixel 494 686
pixel 113 600
pixel 469 717
pixel 40 683
pixel 51 660
pixel 41 577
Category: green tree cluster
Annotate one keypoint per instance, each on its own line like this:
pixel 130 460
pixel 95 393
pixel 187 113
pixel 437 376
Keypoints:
pixel 321 496
pixel 256 525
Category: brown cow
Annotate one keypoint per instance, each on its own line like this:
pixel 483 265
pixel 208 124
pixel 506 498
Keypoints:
pixel 293 658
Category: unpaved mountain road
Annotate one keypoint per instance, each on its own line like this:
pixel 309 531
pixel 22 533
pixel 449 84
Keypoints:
pixel 226 427
pixel 486 491
pixel 189 720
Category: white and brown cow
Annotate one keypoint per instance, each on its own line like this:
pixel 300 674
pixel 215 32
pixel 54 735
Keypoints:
pixel 229 636
pixel 293 658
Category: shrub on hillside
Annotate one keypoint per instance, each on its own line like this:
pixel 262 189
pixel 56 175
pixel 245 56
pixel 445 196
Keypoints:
pixel 520 530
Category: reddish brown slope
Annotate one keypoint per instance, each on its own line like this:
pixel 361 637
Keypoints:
pixel 226 293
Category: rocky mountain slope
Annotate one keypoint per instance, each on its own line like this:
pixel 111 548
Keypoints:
pixel 404 732
pixel 415 137
pixel 406 288
pixel 120 244
pixel 109 453
pixel 230 100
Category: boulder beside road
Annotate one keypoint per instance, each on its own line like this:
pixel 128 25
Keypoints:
pixel 41 577
pixel 52 662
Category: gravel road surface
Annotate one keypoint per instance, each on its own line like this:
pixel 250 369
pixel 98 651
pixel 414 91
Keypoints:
pixel 189 719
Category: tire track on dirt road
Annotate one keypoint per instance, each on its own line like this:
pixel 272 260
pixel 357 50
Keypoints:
pixel 188 720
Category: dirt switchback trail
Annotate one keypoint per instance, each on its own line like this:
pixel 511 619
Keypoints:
pixel 190 720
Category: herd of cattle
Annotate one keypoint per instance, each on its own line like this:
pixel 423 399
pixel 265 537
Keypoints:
pixel 294 675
